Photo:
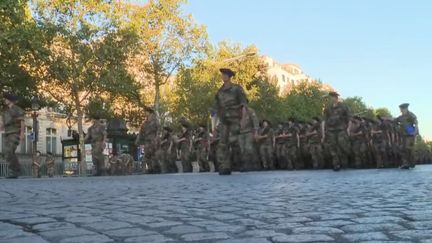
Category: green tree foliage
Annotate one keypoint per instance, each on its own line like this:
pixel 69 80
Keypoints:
pixel 358 107
pixel 87 52
pixel 383 112
pixel 20 44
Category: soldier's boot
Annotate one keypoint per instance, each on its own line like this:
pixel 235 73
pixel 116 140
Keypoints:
pixel 211 166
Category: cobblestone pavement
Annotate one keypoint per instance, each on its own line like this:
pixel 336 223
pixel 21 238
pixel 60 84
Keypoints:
pixel 306 206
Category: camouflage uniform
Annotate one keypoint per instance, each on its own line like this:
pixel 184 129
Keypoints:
pixel 266 147
pixel 379 142
pixel 359 140
pixel 246 142
pixel 291 144
pixel 279 147
pixel 36 165
pixel 96 136
pixel 148 136
pixel 12 119
pixel 315 146
pixel 303 155
pixel 336 119
pixel 229 101
pixel 166 152
pixel 50 164
pixel 185 149
pixel 121 164
pixel 407 139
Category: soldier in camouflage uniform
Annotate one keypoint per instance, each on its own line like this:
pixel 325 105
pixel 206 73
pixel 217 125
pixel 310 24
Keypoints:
pixel 246 140
pixel 184 145
pixel 201 148
pixel 265 140
pixel 380 138
pixel 166 152
pixel 303 156
pixel 279 147
pixel 291 144
pixel 409 129
pixel 359 140
pixel 231 107
pixel 13 127
pixel 50 164
pixel 96 135
pixel 335 130
pixel 36 165
pixel 314 142
pixel 148 136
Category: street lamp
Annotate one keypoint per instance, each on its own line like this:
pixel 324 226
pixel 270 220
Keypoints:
pixel 35 108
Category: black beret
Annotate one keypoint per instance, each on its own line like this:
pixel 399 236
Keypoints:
pixel 404 105
pixel 227 71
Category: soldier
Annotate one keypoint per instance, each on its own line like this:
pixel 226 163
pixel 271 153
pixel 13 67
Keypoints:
pixel 380 138
pixel 148 136
pixel 291 144
pixel 166 151
pixel 202 148
pixel 265 140
pixel 121 164
pixel 96 135
pixel 36 165
pixel 336 127
pixel 303 156
pixel 314 142
pixel 278 144
pixel 409 130
pixel 13 127
pixel 246 141
pixel 50 164
pixel 230 104
pixel 359 140
pixel 184 144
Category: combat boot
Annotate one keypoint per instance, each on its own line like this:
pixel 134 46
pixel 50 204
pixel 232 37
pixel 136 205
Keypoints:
pixel 225 172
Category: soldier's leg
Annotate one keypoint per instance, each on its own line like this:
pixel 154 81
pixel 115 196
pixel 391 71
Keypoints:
pixel 332 143
pixel 410 143
pixel 222 153
pixel 291 157
pixel 344 148
pixel 11 143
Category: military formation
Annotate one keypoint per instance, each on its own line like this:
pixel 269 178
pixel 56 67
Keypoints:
pixel 238 141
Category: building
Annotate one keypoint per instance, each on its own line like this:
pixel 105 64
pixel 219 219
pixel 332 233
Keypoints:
pixel 285 76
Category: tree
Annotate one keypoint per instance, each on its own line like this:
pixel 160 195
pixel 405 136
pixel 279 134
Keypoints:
pixel 20 43
pixel 358 107
pixel 383 112
pixel 169 40
pixel 86 54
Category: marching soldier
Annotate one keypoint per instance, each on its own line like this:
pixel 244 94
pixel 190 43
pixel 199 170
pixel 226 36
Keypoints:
pixel 13 127
pixel 336 127
pixel 279 146
pixel 291 144
pixel 380 138
pixel 230 104
pixel 315 146
pixel 303 155
pixel 409 129
pixel 184 144
pixel 359 140
pixel 36 165
pixel 96 135
pixel 166 151
pixel 202 147
pixel 50 164
pixel 148 136
pixel 265 140
pixel 246 141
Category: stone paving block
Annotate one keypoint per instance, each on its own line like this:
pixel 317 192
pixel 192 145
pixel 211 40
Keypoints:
pixel 302 238
pixel 204 236
pixel 262 233
pixel 183 229
pixel 228 228
pixel 413 234
pixel 53 226
pixel 149 239
pixel 378 220
pixel 87 219
pixel 14 233
pixel 33 220
pixel 65 233
pixel 246 240
pixel 317 230
pixel 108 225
pixel 6 226
pixel 87 239
pixel 420 225
pixel 163 224
pixel 29 239
pixel 365 236
pixel 330 223
pixel 371 227
pixel 129 232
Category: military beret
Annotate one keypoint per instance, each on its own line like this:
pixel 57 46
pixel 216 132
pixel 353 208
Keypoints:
pixel 227 71
pixel 333 94
pixel 10 97
pixel 404 105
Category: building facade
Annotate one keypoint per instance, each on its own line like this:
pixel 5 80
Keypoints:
pixel 285 76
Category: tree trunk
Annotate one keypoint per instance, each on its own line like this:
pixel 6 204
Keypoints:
pixel 157 98
pixel 82 163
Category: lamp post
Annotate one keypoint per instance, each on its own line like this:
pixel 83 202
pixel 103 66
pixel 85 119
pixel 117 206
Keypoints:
pixel 35 108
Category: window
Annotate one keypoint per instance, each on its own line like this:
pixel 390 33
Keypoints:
pixel 27 145
pixel 51 140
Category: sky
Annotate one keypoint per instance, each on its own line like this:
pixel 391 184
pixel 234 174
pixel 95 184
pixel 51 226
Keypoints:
pixel 378 50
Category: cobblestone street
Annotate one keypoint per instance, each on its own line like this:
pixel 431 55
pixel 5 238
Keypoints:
pixel 305 206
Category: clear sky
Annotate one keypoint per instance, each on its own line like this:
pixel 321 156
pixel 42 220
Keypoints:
pixel 379 50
